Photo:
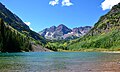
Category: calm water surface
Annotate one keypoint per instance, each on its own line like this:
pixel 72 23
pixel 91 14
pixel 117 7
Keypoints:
pixel 57 61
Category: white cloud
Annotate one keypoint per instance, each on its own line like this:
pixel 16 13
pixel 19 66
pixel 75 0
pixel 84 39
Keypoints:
pixel 53 3
pixel 27 23
pixel 66 3
pixel 108 4
pixel 31 28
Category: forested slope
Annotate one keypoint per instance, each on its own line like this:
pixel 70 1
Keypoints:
pixel 105 35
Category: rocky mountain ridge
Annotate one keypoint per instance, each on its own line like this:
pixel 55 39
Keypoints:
pixel 63 32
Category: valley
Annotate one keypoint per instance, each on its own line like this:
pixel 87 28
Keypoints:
pixel 59 36
pixel 103 36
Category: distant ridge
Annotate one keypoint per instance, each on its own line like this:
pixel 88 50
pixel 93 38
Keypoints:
pixel 63 32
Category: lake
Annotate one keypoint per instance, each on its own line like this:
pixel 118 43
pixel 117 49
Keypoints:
pixel 59 62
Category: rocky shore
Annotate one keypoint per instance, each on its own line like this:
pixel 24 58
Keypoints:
pixel 39 48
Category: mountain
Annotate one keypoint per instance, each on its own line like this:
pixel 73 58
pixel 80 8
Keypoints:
pixel 105 35
pixel 13 41
pixel 16 36
pixel 15 22
pixel 63 32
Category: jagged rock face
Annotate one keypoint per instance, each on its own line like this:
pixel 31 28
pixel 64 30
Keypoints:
pixel 63 29
pixel 63 32
pixel 52 29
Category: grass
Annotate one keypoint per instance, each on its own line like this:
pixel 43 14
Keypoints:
pixel 92 50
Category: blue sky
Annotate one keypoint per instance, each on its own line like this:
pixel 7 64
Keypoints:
pixel 41 14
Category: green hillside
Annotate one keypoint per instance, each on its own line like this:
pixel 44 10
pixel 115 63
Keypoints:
pixel 15 22
pixel 105 35
pixel 15 35
pixel 13 41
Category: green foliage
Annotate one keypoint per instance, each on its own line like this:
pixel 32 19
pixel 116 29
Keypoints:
pixel 57 45
pixel 15 22
pixel 104 36
pixel 11 40
pixel 106 41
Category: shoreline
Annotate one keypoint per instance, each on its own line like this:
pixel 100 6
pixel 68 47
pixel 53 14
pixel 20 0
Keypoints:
pixel 90 51
pixel 47 50
pixel 111 51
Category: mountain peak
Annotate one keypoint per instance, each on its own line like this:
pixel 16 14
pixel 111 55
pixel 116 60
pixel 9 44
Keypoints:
pixel 63 32
pixel 64 29
pixel 52 29
pixel 61 25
